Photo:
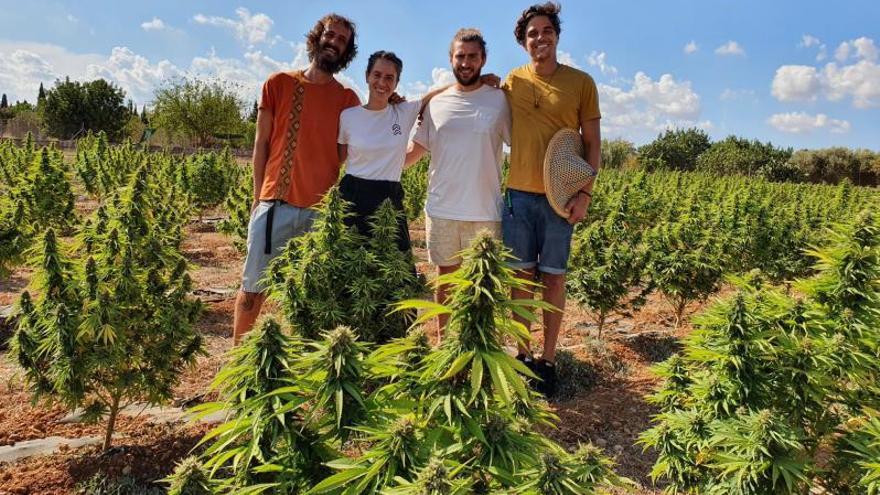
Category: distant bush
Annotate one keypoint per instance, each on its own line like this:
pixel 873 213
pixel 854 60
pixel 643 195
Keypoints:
pixel 675 149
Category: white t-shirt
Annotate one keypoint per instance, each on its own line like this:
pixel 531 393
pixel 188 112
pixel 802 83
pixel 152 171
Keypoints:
pixel 377 139
pixel 464 132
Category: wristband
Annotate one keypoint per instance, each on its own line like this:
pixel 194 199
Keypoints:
pixel 589 195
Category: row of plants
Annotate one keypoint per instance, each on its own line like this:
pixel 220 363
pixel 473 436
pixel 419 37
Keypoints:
pixel 679 233
pixel 775 391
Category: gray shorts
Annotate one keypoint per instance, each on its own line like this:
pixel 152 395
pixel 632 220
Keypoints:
pixel 288 222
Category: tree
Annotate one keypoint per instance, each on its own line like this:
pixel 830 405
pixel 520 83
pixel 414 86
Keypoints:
pixel 735 155
pixel 197 109
pixel 73 107
pixel 252 117
pixel 3 102
pixel 144 115
pixel 616 152
pixel 675 149
pixel 41 96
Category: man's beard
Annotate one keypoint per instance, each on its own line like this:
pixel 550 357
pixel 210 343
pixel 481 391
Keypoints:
pixel 327 62
pixel 466 82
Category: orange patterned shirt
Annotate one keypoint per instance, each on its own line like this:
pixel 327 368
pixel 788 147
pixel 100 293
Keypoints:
pixel 303 162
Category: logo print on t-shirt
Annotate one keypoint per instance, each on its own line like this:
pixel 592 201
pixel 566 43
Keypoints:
pixel 395 129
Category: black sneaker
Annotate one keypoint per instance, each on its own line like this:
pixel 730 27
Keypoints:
pixel 546 371
pixel 526 360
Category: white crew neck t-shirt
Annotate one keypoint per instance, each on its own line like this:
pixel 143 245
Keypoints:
pixel 377 139
pixel 465 132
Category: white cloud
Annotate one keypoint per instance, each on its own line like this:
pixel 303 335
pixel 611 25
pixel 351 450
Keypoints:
pixel 154 25
pixel 133 72
pixel 730 48
pixel 566 58
pixel 440 77
pixel 809 40
pixel 72 18
pixel 597 59
pixel 649 106
pixel 691 47
pixel 24 65
pixel 859 80
pixel 248 28
pixel 796 83
pixel 802 122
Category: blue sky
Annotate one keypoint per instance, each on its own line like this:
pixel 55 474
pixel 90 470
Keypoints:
pixel 804 74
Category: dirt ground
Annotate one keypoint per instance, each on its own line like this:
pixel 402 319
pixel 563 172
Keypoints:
pixel 611 413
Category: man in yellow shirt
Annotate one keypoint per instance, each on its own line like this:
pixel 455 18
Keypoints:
pixel 545 96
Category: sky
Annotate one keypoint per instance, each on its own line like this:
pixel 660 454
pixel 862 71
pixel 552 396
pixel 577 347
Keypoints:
pixel 804 74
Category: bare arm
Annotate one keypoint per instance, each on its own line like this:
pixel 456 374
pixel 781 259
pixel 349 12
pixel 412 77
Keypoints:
pixel 261 151
pixel 414 154
pixel 578 205
pixel 342 151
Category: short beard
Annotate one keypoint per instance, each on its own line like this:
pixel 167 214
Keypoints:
pixel 325 62
pixel 467 82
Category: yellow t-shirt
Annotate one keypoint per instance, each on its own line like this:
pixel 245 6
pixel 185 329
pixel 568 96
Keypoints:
pixel 564 100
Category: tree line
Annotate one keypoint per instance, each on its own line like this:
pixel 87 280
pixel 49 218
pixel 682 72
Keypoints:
pixel 185 112
pixel 693 150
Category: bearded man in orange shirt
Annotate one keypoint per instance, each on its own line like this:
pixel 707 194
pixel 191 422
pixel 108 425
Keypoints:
pixel 295 156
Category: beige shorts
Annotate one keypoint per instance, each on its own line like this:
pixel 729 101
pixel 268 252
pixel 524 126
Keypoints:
pixel 446 238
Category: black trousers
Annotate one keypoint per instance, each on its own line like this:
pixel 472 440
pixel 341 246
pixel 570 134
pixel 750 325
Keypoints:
pixel 366 195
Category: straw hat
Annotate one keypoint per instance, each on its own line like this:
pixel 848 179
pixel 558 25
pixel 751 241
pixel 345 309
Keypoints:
pixel 565 170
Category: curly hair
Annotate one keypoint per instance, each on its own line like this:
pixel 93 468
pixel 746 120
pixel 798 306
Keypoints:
pixel 388 56
pixel 313 39
pixel 469 35
pixel 550 10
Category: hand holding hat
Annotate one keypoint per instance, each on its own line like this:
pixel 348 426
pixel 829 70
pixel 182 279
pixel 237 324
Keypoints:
pixel 565 170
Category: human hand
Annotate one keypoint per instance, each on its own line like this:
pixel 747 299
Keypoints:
pixel 395 98
pixel 577 208
pixel 491 80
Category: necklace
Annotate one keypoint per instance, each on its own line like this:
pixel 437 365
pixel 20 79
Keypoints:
pixel 537 97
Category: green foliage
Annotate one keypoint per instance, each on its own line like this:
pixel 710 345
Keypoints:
pixel 833 165
pixel 100 484
pixel 47 191
pixel 111 323
pixel 608 259
pixel 15 234
pixel 197 109
pixel 675 149
pixel 72 108
pixel 211 177
pixel 767 381
pixel 333 276
pixel 238 205
pixel 415 188
pixel 685 260
pixel 617 153
pixel 189 478
pixel 456 419
pixel 735 155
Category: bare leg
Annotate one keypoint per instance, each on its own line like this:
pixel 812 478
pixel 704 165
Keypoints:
pixel 247 309
pixel 440 297
pixel 523 294
pixel 554 293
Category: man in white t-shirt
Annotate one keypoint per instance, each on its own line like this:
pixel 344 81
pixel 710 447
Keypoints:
pixel 464 128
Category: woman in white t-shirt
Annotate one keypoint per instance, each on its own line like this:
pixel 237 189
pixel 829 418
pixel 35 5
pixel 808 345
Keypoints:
pixel 373 141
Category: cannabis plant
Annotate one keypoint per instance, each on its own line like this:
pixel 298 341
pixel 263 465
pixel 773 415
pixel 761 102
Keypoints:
pixel 333 276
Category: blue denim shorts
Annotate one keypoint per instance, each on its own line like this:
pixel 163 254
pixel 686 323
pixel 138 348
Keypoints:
pixel 534 232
